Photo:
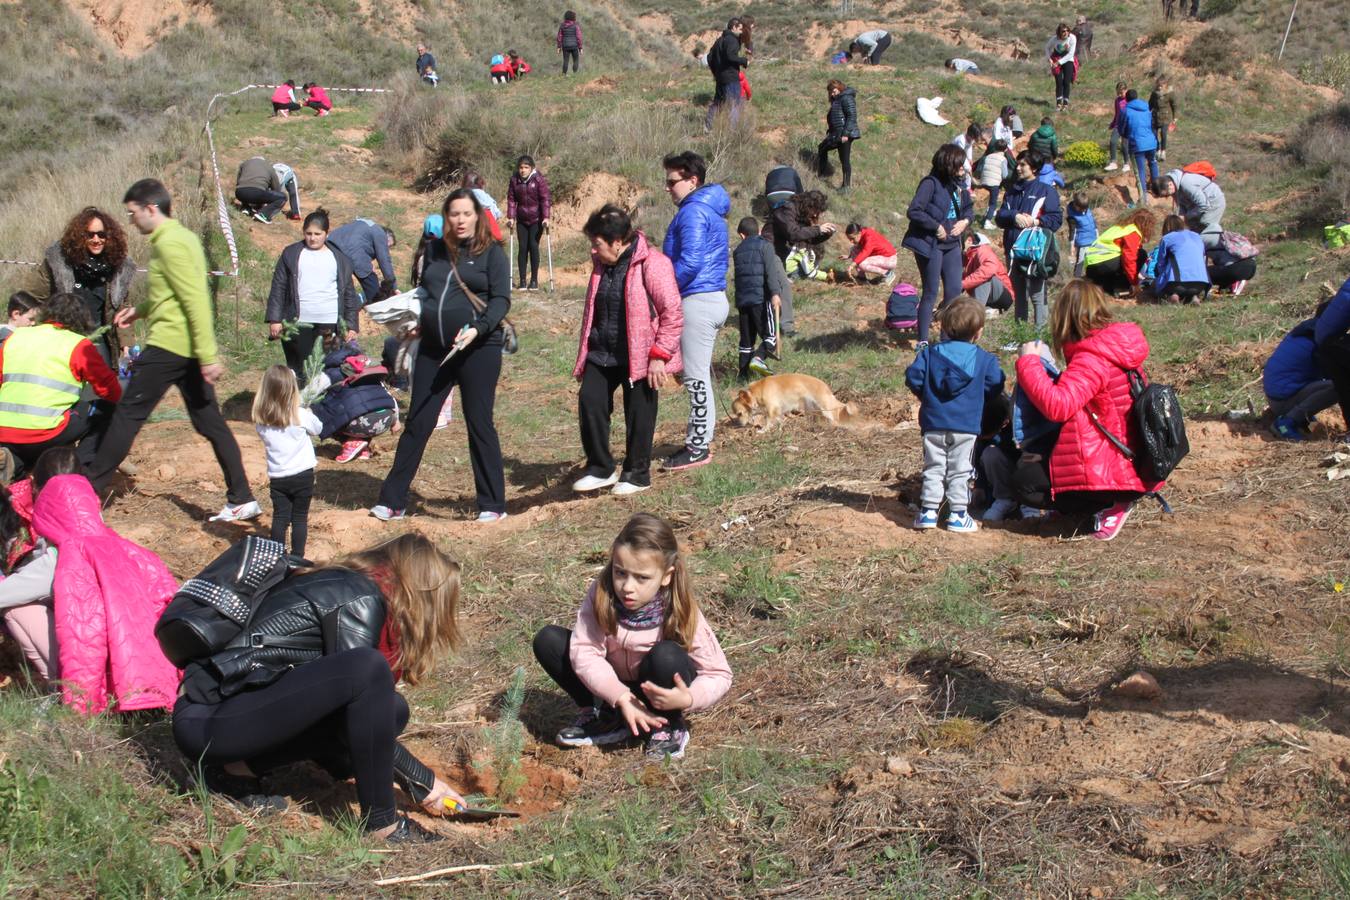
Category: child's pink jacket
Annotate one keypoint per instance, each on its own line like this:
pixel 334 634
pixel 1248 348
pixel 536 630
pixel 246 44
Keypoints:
pixel 604 662
pixel 108 595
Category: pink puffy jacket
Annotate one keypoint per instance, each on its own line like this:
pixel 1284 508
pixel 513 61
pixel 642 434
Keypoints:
pixel 654 315
pixel 108 596
pixel 604 662
pixel 1093 379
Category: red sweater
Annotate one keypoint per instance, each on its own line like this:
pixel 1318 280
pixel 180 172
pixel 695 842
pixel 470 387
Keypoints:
pixel 85 365
pixel 871 243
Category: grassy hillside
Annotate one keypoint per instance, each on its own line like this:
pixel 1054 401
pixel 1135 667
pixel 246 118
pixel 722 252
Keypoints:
pixel 913 715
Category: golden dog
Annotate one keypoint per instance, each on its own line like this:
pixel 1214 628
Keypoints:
pixel 766 401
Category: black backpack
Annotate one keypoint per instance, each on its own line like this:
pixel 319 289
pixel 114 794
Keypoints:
pixel 1162 428
pixel 210 610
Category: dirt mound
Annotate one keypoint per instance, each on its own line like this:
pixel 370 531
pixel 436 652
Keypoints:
pixel 1225 761
pixel 134 26
pixel 605 84
pixel 595 190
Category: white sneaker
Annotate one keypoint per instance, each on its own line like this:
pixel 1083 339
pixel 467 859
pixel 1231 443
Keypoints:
pixel 487 516
pixel 1111 167
pixel 625 488
pixel 999 510
pixel 989 225
pixel 240 513
pixel 1125 168
pixel 594 482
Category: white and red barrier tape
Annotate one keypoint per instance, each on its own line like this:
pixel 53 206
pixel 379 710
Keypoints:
pixel 222 208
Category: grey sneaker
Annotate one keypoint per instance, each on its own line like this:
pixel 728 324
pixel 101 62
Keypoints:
pixel 593 728
pixel 240 513
pixel 668 743
pixel 388 514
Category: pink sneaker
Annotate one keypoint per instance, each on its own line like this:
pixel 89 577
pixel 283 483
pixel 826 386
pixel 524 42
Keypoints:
pixel 354 450
pixel 1108 522
pixel 1239 287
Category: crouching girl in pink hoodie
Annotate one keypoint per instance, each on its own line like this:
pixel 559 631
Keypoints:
pixel 641 655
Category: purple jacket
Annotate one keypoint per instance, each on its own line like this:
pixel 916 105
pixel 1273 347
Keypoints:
pixel 528 202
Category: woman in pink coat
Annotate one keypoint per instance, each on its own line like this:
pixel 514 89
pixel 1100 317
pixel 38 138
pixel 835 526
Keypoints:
pixel 108 595
pixel 630 337
pixel 1088 473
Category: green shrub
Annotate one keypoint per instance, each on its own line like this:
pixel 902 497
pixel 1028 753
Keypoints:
pixel 1332 70
pixel 1216 52
pixel 1088 154
pixel 1322 143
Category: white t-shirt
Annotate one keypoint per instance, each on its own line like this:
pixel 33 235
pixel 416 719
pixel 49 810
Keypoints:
pixel 289 450
pixel 317 286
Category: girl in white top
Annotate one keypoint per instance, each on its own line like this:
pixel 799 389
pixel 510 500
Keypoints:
pixel 285 428
pixel 1060 51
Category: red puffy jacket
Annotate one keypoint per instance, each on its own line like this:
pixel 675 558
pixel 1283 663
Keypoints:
pixel 108 595
pixel 1093 379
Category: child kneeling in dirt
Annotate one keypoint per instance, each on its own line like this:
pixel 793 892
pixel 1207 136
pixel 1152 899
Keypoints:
pixel 953 380
pixel 641 655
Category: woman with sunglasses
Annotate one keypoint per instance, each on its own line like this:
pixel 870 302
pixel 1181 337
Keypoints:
pixel 90 260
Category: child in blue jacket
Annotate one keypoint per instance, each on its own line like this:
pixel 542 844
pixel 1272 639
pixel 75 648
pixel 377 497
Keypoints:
pixel 953 379
pixel 1295 386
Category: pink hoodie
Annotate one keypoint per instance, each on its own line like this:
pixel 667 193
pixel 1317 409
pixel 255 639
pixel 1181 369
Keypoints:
pixel 108 596
pixel 604 662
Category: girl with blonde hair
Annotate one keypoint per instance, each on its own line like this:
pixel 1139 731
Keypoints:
pixel 641 655
pixel 285 428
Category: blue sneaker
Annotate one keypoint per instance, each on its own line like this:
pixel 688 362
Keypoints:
pixel 961 522
pixel 927 518
pixel 1286 429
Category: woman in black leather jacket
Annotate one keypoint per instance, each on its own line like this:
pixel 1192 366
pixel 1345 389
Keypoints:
pixel 312 677
pixel 466 293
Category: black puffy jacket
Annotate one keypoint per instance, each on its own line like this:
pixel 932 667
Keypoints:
pixel 842 118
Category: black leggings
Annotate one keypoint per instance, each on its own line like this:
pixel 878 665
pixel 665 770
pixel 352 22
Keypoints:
pixel 1231 274
pixel 340 709
pixel 659 666
pixel 290 508
pixel 290 107
pixel 1334 358
pixel 1031 487
pixel 298 349
pixel 476 371
pixel 528 249
pixel 1063 82
pixel 575 56
pixel 845 149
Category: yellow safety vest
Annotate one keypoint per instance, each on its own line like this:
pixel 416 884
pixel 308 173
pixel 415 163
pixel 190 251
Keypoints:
pixel 1106 247
pixel 37 386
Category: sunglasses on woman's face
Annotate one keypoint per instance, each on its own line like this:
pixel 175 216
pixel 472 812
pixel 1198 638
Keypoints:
pixel 96 235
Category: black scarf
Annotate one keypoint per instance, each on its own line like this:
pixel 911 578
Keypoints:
pixel 95 271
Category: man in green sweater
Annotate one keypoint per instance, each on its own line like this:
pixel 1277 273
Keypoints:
pixel 180 350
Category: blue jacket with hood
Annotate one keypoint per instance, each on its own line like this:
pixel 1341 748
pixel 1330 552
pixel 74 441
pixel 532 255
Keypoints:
pixel 952 380
pixel 1021 197
pixel 1292 366
pixel 697 241
pixel 1139 126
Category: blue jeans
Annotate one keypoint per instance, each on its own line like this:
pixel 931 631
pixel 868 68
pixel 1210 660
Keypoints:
pixel 1139 158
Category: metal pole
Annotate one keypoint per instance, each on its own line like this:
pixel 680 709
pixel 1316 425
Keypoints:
pixel 1286 31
